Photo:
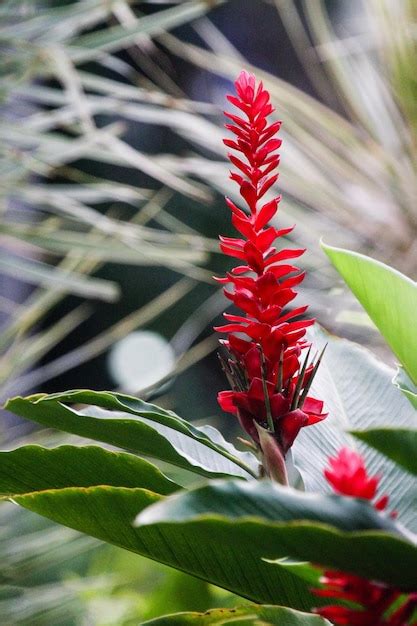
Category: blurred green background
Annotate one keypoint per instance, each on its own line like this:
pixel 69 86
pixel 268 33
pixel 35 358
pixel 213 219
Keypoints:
pixel 113 174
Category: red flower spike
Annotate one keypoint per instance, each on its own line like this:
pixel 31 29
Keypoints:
pixel 348 476
pixel 374 602
pixel 265 363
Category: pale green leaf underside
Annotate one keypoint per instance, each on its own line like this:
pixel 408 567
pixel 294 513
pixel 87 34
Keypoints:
pixel 409 389
pixel 358 394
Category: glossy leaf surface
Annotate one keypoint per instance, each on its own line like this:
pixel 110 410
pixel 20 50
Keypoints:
pixel 398 444
pixel 357 390
pixel 152 431
pixel 343 533
pixel 389 298
pixel 107 513
pixel 34 468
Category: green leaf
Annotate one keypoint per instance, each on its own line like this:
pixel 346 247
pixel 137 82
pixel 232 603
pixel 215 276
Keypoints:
pixel 398 444
pixel 257 615
pixel 269 501
pixel 226 518
pixel 104 512
pixel 304 570
pixel 154 432
pixel 389 298
pixel 107 513
pixel 403 382
pixel 34 468
pixel 358 394
pixel 225 551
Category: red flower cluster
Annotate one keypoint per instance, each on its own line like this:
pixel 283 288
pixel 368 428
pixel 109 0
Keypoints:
pixel 348 476
pixel 269 382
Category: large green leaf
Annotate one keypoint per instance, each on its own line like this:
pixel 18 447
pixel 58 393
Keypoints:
pixel 398 444
pixel 153 431
pixel 107 513
pixel 262 523
pixel 99 493
pixel 228 517
pixel 389 298
pixel 257 615
pixel 35 468
pixel 357 391
pixel 269 501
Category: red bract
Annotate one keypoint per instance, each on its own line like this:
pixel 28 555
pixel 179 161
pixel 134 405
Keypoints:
pixel 269 375
pixel 348 476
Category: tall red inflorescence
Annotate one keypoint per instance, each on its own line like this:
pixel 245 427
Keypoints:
pixel 268 368
pixel 374 601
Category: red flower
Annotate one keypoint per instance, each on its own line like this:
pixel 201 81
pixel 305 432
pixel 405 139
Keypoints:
pixel 348 476
pixel 269 377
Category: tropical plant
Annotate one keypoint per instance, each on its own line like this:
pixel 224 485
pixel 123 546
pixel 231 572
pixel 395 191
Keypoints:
pixel 232 518
pixel 390 299
pixel 62 219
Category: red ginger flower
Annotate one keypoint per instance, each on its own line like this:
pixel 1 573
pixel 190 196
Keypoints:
pixel 269 382
pixel 348 476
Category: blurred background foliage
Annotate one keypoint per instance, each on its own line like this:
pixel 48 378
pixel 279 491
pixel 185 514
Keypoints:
pixel 112 177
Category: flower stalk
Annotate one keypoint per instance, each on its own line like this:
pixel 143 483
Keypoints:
pixel 267 359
